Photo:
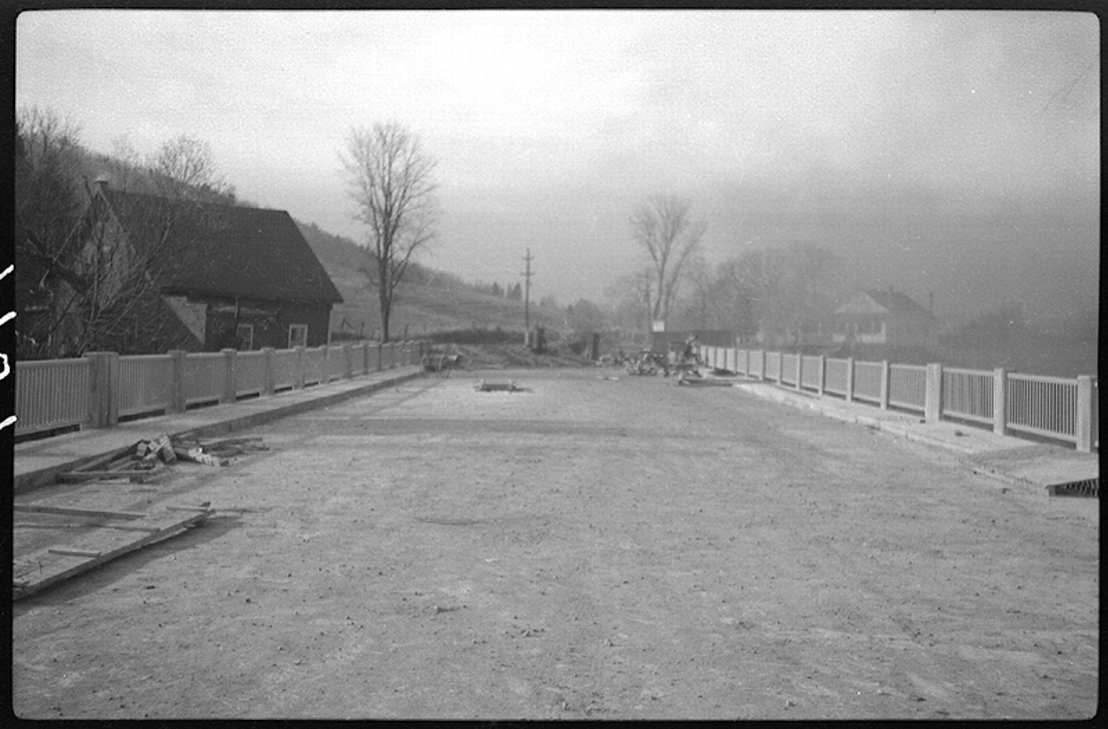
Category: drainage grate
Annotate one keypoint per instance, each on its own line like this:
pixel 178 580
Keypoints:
pixel 1089 487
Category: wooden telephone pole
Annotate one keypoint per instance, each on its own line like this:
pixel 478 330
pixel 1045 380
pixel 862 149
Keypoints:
pixel 527 299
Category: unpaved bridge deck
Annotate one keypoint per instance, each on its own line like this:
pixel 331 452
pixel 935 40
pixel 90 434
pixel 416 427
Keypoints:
pixel 588 548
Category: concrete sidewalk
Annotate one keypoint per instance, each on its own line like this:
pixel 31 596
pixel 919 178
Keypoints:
pixel 37 463
pixel 1009 459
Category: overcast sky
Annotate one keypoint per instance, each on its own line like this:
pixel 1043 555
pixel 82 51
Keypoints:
pixel 866 127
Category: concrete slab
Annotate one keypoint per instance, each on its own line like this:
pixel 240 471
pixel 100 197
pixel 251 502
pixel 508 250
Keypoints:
pixel 1038 465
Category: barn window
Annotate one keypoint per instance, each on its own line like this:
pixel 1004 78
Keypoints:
pixel 298 335
pixel 245 333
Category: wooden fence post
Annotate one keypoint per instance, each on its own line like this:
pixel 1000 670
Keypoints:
pixel 933 394
pixel 884 384
pixel 799 370
pixel 347 366
pixel 270 376
pixel 380 354
pixel 103 389
pixel 1086 413
pixel 177 383
pixel 1000 406
pixel 299 383
pixel 230 385
pixel 850 379
pixel 822 374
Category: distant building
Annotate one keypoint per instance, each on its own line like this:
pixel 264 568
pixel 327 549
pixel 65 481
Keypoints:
pixel 222 276
pixel 889 317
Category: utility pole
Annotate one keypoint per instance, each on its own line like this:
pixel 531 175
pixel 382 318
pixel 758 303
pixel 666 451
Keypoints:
pixel 527 299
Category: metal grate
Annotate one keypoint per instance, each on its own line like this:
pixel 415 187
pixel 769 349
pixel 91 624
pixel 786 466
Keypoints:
pixel 1089 487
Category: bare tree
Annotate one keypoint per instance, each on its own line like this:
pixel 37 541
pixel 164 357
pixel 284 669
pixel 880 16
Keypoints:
pixel 391 180
pixel 184 167
pixel 629 300
pixel 664 227
pixel 48 205
pixel 82 283
pixel 784 287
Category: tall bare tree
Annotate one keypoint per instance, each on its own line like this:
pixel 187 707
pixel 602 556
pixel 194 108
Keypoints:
pixel 48 205
pixel 184 167
pixel 391 181
pixel 629 302
pixel 664 227
pixel 786 286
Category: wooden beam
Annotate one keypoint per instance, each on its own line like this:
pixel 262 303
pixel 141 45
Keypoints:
pixel 104 460
pixel 67 552
pixel 72 511
pixel 50 572
pixel 133 474
pixel 126 528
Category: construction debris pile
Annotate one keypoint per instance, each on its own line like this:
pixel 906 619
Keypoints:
pixel 148 459
pixel 508 386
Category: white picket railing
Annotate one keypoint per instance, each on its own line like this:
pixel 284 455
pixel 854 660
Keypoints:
pixel 1041 405
pixel 336 363
pixel 810 372
pixel 100 388
pixel 250 373
pixel 908 386
pixel 968 394
pixel 286 366
pixel 836 376
pixel 205 377
pixel 313 364
pixel 51 394
pixel 145 383
pixel 867 381
pixel 1053 407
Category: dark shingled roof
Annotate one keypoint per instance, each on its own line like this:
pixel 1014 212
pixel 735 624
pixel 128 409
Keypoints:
pixel 896 302
pixel 223 251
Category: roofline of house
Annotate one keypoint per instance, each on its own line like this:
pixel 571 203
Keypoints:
pixel 198 293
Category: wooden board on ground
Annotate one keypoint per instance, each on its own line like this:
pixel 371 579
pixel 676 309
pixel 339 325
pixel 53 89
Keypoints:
pixel 48 566
pixel 704 382
pixel 73 511
pixel 121 464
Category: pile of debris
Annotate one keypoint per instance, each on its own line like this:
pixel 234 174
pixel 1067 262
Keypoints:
pixel 148 459
pixel 508 386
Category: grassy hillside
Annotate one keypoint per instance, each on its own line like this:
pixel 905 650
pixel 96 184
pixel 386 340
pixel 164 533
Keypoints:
pixel 427 301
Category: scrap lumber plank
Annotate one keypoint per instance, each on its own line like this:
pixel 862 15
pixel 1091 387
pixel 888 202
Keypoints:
pixel 133 474
pixel 108 459
pixel 78 476
pixel 68 552
pixel 127 527
pixel 73 511
pixel 54 567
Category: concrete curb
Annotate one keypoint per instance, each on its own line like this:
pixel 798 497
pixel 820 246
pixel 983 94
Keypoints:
pixel 898 424
pixel 31 480
pixel 909 427
pixel 253 419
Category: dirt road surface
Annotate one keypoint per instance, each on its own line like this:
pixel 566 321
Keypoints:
pixel 588 548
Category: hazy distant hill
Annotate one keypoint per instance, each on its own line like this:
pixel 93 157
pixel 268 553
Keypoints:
pixel 427 301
